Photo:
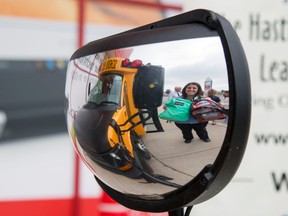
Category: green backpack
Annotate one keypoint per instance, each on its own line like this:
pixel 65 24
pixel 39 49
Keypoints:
pixel 177 109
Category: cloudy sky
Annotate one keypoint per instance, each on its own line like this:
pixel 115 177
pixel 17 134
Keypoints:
pixel 190 60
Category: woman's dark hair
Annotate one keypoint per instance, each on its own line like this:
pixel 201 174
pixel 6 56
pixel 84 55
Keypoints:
pixel 199 93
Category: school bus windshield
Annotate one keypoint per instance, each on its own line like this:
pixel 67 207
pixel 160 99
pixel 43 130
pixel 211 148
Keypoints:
pixel 107 90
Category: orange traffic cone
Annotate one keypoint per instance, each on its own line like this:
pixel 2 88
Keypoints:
pixel 109 207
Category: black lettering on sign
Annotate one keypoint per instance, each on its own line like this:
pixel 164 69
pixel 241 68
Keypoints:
pixel 274 70
pixel 265 102
pixel 283 100
pixel 237 25
pixel 262 29
pixel 271 138
pixel 280 181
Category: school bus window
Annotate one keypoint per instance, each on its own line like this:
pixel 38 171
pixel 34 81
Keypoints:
pixel 107 90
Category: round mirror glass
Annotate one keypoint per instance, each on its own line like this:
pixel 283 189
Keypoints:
pixel 114 120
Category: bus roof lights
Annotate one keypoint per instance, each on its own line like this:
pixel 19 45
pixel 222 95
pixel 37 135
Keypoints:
pixel 125 62
pixel 136 63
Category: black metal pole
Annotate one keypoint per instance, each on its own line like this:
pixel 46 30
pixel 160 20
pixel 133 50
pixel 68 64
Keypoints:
pixel 177 212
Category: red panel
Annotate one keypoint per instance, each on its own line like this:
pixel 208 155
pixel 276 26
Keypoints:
pixel 55 207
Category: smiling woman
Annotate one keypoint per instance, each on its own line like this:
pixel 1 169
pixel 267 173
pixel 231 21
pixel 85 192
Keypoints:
pixel 137 158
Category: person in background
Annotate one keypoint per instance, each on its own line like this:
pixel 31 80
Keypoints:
pixel 226 104
pixel 176 93
pixel 193 91
pixel 212 94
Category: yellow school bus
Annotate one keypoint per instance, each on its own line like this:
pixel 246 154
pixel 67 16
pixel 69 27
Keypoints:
pixel 120 110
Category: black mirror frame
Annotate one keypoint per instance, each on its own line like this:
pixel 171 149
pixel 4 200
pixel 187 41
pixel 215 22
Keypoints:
pixel 212 179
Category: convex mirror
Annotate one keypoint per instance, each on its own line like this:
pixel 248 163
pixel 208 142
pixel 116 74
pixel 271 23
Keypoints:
pixel 116 89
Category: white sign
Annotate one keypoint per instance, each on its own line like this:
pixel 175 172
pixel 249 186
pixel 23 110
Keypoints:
pixel 208 84
pixel 260 187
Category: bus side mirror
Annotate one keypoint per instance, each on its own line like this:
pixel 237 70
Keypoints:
pixel 157 172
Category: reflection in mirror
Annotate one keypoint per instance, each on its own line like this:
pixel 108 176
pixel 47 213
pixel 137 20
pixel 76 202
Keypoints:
pixel 115 99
